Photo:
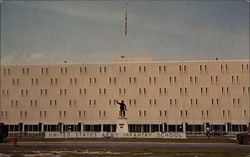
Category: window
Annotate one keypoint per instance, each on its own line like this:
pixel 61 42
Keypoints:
pixel 102 115
pixel 173 102
pixel 110 102
pixel 73 80
pixel 214 80
pixel 34 81
pixel 52 103
pixel 3 114
pixel 185 68
pixel 82 113
pixel 224 68
pixel 5 93
pixel 194 101
pixel 6 71
pixel 235 79
pixel 64 70
pixel 43 113
pixel 193 79
pixel 203 68
pixel 152 79
pixel 112 80
pixel 162 68
pixel 142 69
pixel 182 68
pixel 144 113
pixel 62 113
pixel 132 101
pixel 13 103
pixel 92 80
pixel 183 91
pixel 23 114
pixel 142 90
pixel 224 90
pixel 122 69
pixel 152 101
pixel 92 102
pixel 102 91
pixel 180 90
pixel 83 70
pixel 24 92
pixel 43 92
pixel 215 101
pixel 172 79
pixel 44 71
pixel 159 68
pixel 245 90
pixel 53 81
pixel 63 92
pixel 102 69
pixel 204 90
pixel 33 103
pixel 236 101
pixel 15 82
pixel 132 80
pixel 25 71
pixel 162 91
pixel 72 102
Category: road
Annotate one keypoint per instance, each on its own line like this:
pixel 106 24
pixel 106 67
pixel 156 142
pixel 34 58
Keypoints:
pixel 130 144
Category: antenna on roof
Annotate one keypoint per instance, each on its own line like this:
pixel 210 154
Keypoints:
pixel 126 19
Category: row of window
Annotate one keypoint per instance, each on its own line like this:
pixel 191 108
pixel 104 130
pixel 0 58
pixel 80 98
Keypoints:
pixel 123 69
pixel 104 91
pixel 102 113
pixel 73 102
pixel 131 80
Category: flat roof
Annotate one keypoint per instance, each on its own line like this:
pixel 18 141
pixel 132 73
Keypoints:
pixel 126 62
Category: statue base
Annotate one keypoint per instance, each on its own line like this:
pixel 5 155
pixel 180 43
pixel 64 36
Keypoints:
pixel 122 125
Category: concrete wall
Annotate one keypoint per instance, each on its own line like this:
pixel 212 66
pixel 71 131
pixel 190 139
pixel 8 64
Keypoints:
pixel 110 81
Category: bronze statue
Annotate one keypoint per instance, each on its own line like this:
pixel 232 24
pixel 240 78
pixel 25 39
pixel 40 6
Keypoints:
pixel 123 108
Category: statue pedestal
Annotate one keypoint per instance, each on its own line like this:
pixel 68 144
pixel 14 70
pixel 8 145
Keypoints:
pixel 122 125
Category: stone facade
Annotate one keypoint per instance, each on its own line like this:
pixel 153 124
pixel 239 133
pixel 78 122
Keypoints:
pixel 159 95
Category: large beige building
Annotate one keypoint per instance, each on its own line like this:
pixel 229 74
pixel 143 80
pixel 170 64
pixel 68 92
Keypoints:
pixel 159 95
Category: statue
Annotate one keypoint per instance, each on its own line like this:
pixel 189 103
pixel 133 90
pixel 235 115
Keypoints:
pixel 123 108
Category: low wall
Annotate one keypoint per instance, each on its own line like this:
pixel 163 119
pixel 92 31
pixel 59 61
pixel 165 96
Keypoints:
pixel 165 135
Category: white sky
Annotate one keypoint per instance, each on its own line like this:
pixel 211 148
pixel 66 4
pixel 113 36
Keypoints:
pixel 92 31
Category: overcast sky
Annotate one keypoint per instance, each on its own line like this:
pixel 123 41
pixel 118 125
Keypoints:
pixel 93 31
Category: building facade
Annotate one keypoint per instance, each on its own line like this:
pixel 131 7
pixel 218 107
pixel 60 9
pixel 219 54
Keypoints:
pixel 162 96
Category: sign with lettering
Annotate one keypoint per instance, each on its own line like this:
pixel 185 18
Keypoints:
pixel 166 135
